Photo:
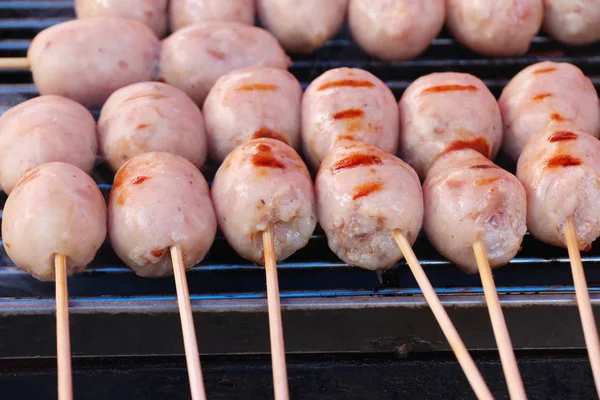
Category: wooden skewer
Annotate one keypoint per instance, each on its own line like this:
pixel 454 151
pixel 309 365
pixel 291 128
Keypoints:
pixel 63 340
pixel 15 63
pixel 458 347
pixel 507 355
pixel 280 379
pixel 590 332
pixel 192 355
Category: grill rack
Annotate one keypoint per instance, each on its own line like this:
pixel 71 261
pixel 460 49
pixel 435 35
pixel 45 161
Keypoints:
pixel 321 296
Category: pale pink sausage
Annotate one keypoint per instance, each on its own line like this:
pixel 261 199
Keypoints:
pixel 55 209
pixel 189 12
pixel 573 22
pixel 160 200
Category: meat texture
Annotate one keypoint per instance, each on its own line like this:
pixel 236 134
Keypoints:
pixel 160 200
pixel 447 111
pixel 150 116
pixel 363 195
pixel 395 30
pixel 189 12
pixel 88 59
pixel 495 27
pixel 543 96
pixel 302 25
pixel 468 198
pixel 193 58
pixel 152 13
pixel 560 170
pixel 252 103
pixel 347 103
pixel 42 130
pixel 262 182
pixel 55 209
pixel 573 22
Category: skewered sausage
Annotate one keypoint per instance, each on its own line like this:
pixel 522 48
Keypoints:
pixel 55 209
pixel 495 27
pixel 188 12
pixel 251 103
pixel 193 58
pixel 262 182
pixel 363 195
pixel 302 25
pixel 447 111
pixel 42 130
pixel 150 116
pixel 468 198
pixel 160 200
pixel 152 13
pixel 88 59
pixel 574 22
pixel 395 30
pixel 347 103
pixel 545 95
pixel 560 170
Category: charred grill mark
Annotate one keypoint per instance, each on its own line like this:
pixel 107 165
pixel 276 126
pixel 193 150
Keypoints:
pixel 142 126
pixel 154 96
pixel 356 160
pixel 454 184
pixel 347 83
pixel 157 252
pixel 562 136
pixel 139 180
pixel 557 117
pixel 486 181
pixel 483 166
pixel 544 70
pixel 257 86
pixel 449 88
pixel 264 157
pixel 563 160
pixel 219 55
pixel 541 96
pixel 366 189
pixel 264 132
pixel 479 144
pixel 349 114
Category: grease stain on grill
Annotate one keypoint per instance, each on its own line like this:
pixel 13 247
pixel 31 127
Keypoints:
pixel 366 189
pixel 347 83
pixel 257 86
pixel 563 160
pixel 350 113
pixel 356 160
pixel 479 144
pixel 450 88
pixel 264 132
pixel 562 136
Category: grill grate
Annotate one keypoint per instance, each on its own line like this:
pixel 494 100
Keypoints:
pixel 313 278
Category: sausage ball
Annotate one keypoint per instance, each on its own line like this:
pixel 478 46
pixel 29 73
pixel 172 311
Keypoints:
pixel 262 182
pixel 573 22
pixel 347 103
pixel 546 95
pixel 469 198
pixel 88 59
pixel 189 12
pixel 150 116
pixel 447 111
pixel 560 170
pixel 195 57
pixel 56 208
pixel 42 130
pixel 395 30
pixel 252 103
pixel 363 195
pixel 160 200
pixel 495 27
pixel 302 25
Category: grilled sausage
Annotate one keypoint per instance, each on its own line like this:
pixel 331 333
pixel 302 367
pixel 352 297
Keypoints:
pixel 546 95
pixel 447 111
pixel 42 130
pixel 495 27
pixel 55 209
pixel 152 13
pixel 150 116
pixel 363 195
pixel 160 200
pixel 574 22
pixel 251 103
pixel 395 30
pixel 302 25
pixel 560 170
pixel 189 12
pixel 469 198
pixel 88 59
pixel 347 103
pixel 262 182
pixel 193 58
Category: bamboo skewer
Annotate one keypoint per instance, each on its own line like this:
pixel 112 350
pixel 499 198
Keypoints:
pixel 192 355
pixel 280 380
pixel 505 348
pixel 14 63
pixel 590 331
pixel 458 347
pixel 63 340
